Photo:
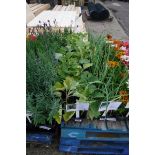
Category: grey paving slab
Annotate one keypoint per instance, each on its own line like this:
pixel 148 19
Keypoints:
pixel 105 27
pixel 120 9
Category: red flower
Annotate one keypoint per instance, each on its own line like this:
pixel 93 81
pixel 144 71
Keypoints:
pixel 126 63
pixel 33 37
pixel 126 44
pixel 127 52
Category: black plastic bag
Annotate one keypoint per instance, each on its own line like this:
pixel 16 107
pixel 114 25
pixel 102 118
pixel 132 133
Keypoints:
pixel 97 11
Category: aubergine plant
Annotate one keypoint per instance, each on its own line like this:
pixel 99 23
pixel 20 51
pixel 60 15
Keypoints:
pixel 87 76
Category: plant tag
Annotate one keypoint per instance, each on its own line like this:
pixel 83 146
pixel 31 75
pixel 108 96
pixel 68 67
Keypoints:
pixel 105 113
pixel 70 107
pixel 103 106
pixel 77 107
pixel 28 115
pixel 44 127
pixel 113 105
pixel 82 106
pixel 77 114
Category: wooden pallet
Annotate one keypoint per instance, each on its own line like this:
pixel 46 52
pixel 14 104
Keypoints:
pixel 29 14
pixel 65 17
pixel 80 25
pixel 105 150
pixel 33 10
pixel 32 5
pixel 121 125
pixel 75 2
pixel 42 138
pixel 38 8
pixel 65 8
pixel 98 137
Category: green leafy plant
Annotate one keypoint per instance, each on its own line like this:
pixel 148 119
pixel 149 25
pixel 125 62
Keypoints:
pixel 41 73
pixel 63 68
pixel 89 65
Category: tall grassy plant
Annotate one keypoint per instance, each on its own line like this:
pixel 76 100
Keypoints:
pixel 41 73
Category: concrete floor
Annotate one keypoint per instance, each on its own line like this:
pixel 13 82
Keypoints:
pixel 118 27
pixel 120 10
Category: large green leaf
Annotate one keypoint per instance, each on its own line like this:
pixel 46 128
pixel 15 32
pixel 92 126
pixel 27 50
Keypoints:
pixel 90 89
pixel 81 96
pixel 68 115
pixel 70 83
pixel 84 61
pixel 58 86
pixel 57 93
pixel 85 66
pixel 67 82
pixel 93 111
pixel 58 116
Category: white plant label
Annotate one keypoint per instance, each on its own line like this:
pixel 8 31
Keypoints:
pixel 112 105
pixel 82 106
pixel 103 106
pixel 77 107
pixel 77 114
pixel 70 107
pixel 28 115
pixel 44 127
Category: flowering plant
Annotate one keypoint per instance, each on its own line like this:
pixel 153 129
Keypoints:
pixel 81 68
pixel 105 78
